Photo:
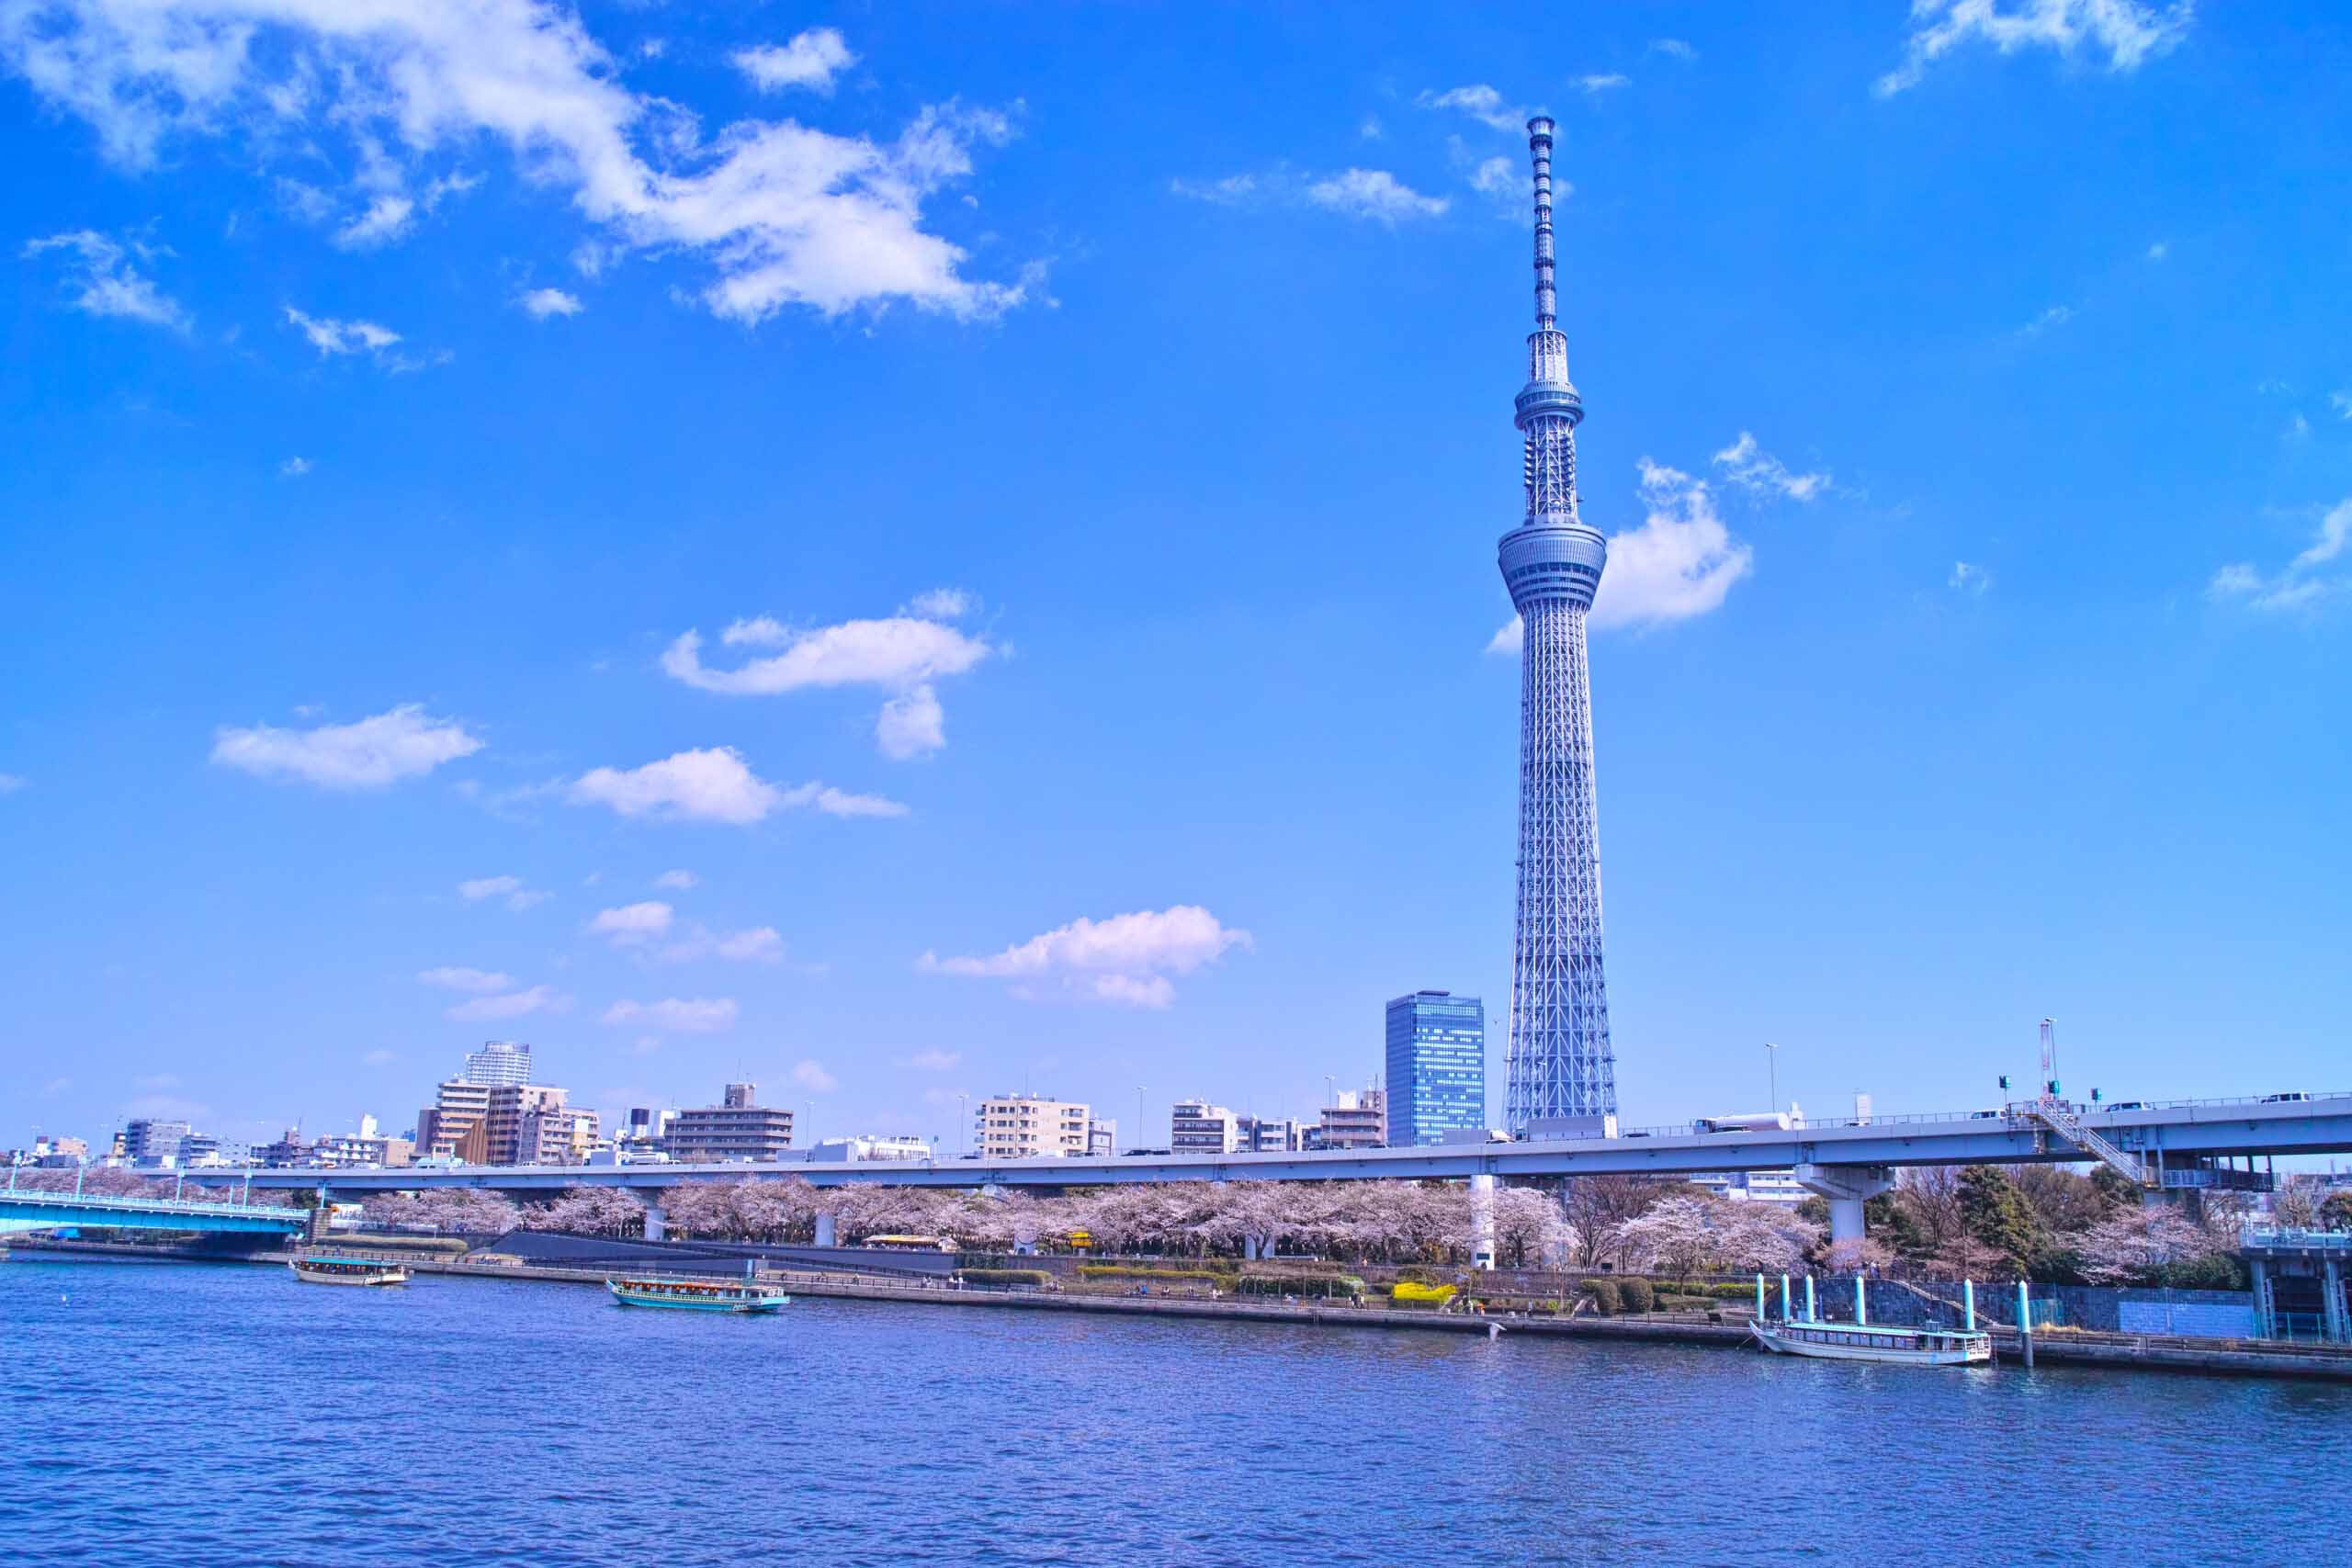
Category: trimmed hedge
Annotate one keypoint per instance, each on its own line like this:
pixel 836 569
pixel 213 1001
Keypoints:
pixel 1006 1277
pixel 1120 1271
pixel 1636 1294
pixel 1316 1285
pixel 1607 1299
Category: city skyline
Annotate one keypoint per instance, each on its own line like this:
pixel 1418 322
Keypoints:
pixel 1045 637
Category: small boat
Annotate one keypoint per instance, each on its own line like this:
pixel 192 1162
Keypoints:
pixel 346 1271
pixel 698 1295
pixel 1874 1342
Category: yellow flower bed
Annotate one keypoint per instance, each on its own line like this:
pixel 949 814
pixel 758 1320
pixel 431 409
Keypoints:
pixel 1435 1295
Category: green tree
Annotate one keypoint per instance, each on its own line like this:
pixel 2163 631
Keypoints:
pixel 2337 1213
pixel 2000 1219
pixel 2115 1190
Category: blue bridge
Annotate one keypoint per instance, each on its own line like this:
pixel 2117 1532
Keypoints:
pixel 25 1211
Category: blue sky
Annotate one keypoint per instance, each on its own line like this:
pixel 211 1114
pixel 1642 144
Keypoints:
pixel 939 476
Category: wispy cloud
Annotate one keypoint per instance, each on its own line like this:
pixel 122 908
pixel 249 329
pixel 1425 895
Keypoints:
pixel 1373 194
pixel 1968 578
pixel 405 742
pixel 1481 103
pixel 2122 34
pixel 294 467
pixel 679 881
pixel 632 925
pixel 101 281
pixel 1674 48
pixel 812 1075
pixel 2056 316
pixel 1602 81
pixel 696 1015
pixel 1751 467
pixel 2317 575
pixel 457 977
pixel 517 1004
pixel 511 888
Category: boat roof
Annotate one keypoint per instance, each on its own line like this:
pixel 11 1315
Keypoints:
pixel 1879 1328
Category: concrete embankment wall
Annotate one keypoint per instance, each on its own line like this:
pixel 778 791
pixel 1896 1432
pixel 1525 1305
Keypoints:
pixel 2267 1359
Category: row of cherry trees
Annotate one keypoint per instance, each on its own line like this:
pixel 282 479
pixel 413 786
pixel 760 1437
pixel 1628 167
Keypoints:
pixel 1669 1230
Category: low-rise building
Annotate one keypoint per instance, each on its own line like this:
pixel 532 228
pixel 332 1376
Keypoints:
pixel 1101 1138
pixel 1024 1127
pixel 1358 1120
pixel 839 1150
pixel 152 1141
pixel 459 1107
pixel 740 1129
pixel 1273 1136
pixel 1776 1187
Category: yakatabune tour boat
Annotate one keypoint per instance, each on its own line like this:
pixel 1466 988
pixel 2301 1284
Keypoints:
pixel 1874 1342
pixel 346 1271
pixel 698 1295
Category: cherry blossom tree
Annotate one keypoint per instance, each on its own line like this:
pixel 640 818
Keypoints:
pixel 2141 1246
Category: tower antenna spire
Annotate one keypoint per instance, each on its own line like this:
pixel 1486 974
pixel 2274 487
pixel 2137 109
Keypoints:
pixel 1539 142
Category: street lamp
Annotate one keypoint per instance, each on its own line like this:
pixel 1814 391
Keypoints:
pixel 1141 1141
pixel 1772 1069
pixel 964 1125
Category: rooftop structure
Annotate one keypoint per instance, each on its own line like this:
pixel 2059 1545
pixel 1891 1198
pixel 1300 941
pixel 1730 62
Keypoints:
pixel 1560 1066
pixel 1358 1119
pixel 1196 1127
pixel 498 1062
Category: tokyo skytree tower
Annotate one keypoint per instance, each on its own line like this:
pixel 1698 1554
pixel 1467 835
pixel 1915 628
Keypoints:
pixel 1560 1064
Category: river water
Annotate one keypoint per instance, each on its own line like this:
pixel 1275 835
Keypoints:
pixel 203 1414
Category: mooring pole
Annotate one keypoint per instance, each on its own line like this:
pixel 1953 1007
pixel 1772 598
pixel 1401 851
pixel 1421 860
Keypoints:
pixel 1967 1304
pixel 2025 1323
pixel 1784 1298
pixel 1861 1303
pixel 1810 1316
pixel 1759 1298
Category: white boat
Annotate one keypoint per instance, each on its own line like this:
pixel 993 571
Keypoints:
pixel 1874 1342
pixel 698 1295
pixel 346 1271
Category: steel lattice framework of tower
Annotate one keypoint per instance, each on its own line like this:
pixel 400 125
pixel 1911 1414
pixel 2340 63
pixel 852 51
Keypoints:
pixel 1560 1064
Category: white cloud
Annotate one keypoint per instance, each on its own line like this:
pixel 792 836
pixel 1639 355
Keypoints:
pixel 934 1061
pixel 679 880
pixel 1510 638
pixel 102 279
pixel 294 467
pixel 698 1016
pixel 1748 465
pixel 810 60
pixel 539 998
pixel 632 925
pixel 11 783
pixel 912 725
pixel 2316 575
pixel 2126 32
pixel 1482 104
pixel 1498 178
pixel 2342 403
pixel 904 653
pixel 1125 959
pixel 398 744
pixel 1674 47
pixel 943 604
pixel 2056 316
pixel 379 1057
pixel 386 219
pixel 812 1077
pixel 783 213
pixel 1968 578
pixel 714 785
pixel 333 337
pixel 1373 194
pixel 456 978
pixel 1234 190
pixel 1370 129
pixel 761 944
pixel 541 303
pixel 1680 563
pixel 2299 430
pixel 1601 83
pixel 2160 250
pixel 518 897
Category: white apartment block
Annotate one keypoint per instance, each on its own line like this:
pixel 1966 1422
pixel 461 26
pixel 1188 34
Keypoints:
pixel 1022 1126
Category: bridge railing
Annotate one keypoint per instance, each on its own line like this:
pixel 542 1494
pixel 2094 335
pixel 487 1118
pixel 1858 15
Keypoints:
pixel 2289 1238
pixel 1997 1114
pixel 155 1205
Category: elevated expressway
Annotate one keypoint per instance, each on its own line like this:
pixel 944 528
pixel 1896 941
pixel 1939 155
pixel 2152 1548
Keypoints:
pixel 2174 1145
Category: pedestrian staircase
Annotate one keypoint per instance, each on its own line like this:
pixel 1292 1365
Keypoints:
pixel 2057 1116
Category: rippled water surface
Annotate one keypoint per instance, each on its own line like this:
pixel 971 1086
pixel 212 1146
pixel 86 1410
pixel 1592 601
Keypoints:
pixel 228 1415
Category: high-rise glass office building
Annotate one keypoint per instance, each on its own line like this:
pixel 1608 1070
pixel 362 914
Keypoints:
pixel 1437 1066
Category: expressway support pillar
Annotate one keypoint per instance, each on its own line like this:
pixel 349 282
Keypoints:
pixel 1847 1188
pixel 1482 1221
pixel 2332 1279
pixel 825 1232
pixel 2266 1322
pixel 657 1223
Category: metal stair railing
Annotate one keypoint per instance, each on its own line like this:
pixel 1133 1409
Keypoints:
pixel 2060 1118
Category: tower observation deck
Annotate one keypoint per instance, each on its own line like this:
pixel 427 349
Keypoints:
pixel 1559 1063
